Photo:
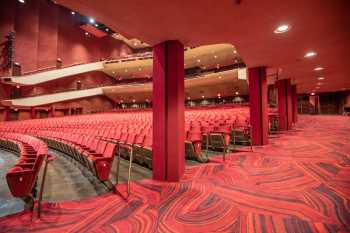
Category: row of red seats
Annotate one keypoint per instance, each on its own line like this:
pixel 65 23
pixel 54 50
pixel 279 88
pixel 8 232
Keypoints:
pixel 95 154
pixel 133 131
pixel 22 177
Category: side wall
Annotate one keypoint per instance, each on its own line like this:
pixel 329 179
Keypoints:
pixel 44 33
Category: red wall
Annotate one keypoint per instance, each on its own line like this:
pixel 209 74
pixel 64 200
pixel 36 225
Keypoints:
pixel 89 105
pixel 45 32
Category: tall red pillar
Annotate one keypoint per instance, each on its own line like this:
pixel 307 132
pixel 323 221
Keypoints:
pixel 52 111
pixel 285 104
pixel 294 103
pixel 168 111
pixel 33 112
pixel 258 105
pixel 6 114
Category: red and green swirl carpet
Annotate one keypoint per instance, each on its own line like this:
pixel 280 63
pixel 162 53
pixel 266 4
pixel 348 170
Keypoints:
pixel 299 183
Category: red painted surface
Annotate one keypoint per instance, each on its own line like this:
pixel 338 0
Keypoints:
pixel 295 103
pixel 6 25
pixel 33 113
pixel 258 105
pixel 168 111
pixel 285 104
pixel 48 35
pixel 27 33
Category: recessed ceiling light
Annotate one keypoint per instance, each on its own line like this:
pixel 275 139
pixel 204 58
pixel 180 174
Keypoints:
pixel 236 92
pixel 203 96
pixel 312 93
pixel 282 29
pixel 234 51
pixel 22 1
pixel 86 33
pixel 219 94
pixel 219 77
pixel 72 12
pixel 188 98
pixel 91 20
pixel 310 54
pixel 320 78
pixel 318 68
pixel 198 60
pixel 215 56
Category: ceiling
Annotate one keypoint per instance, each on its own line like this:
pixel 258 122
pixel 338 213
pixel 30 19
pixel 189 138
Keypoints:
pixel 317 25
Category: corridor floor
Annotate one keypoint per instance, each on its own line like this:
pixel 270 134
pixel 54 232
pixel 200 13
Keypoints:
pixel 299 183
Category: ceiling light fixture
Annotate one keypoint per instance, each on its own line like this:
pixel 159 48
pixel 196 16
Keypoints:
pixel 236 92
pixel 92 20
pixel 86 33
pixel 203 96
pixel 320 78
pixel 310 54
pixel 72 12
pixel 22 1
pixel 282 29
pixel 312 93
pixel 199 60
pixel 318 68
pixel 215 56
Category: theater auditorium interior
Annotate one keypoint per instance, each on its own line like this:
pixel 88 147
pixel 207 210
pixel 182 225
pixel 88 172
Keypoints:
pixel 175 116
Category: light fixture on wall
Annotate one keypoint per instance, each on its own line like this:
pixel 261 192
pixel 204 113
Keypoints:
pixel 318 68
pixel 282 29
pixel 310 54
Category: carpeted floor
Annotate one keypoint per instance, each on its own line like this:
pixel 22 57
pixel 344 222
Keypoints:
pixel 300 183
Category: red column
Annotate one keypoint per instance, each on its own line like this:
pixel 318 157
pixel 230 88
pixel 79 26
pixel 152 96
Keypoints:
pixel 285 104
pixel 258 105
pixel 295 103
pixel 52 111
pixel 33 112
pixel 6 113
pixel 168 111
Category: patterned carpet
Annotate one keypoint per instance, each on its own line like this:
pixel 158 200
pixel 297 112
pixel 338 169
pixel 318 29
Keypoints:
pixel 300 183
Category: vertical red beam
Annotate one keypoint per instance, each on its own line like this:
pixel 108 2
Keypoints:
pixel 33 112
pixel 52 111
pixel 285 104
pixel 258 105
pixel 168 111
pixel 6 114
pixel 295 103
